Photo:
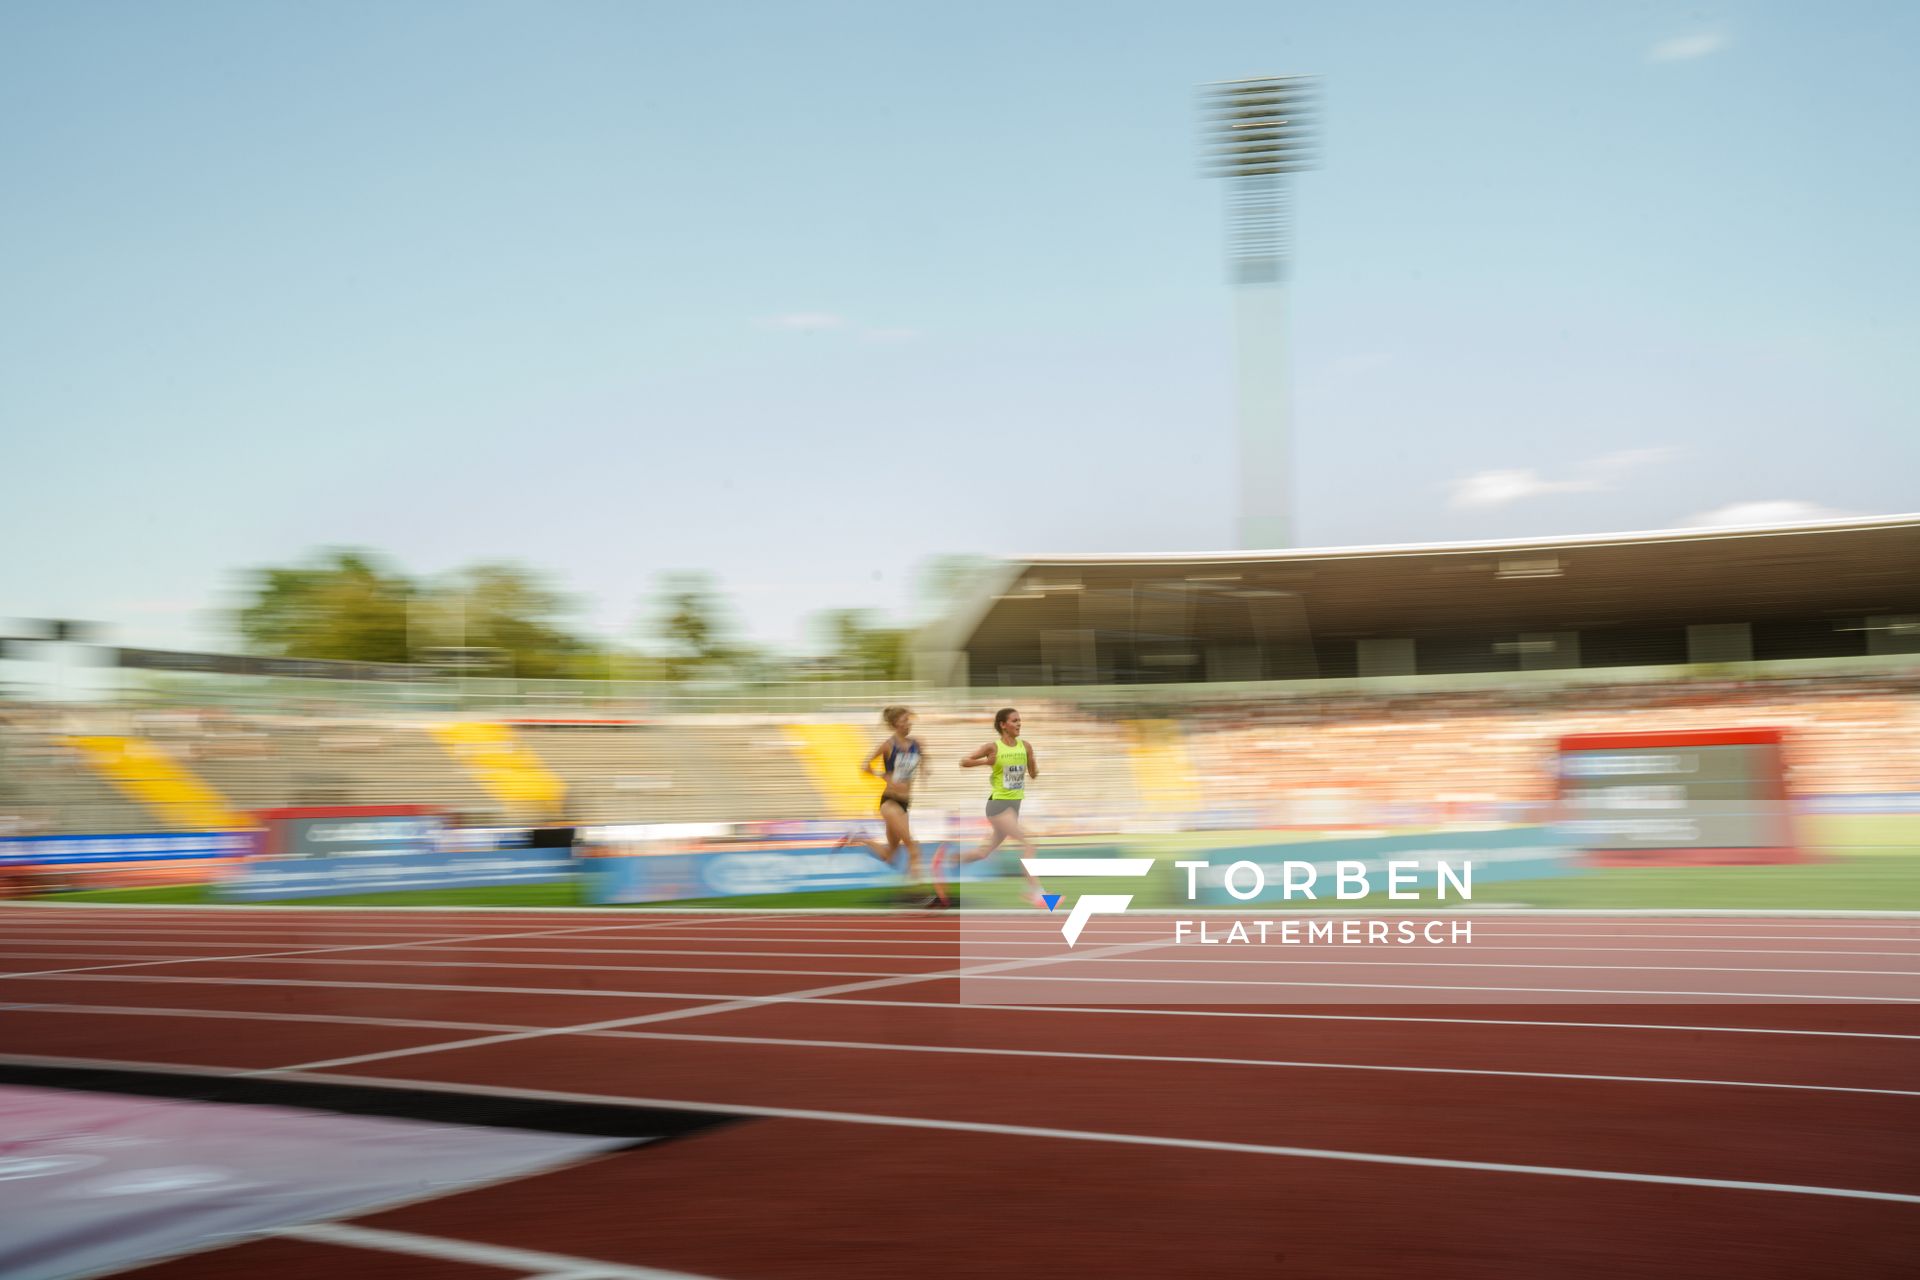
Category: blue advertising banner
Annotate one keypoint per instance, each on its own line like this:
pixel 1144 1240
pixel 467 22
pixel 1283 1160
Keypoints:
pixel 673 877
pixel 267 878
pixel 77 851
pixel 345 833
pixel 1514 853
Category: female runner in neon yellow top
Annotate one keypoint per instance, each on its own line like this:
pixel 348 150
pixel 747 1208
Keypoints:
pixel 1014 764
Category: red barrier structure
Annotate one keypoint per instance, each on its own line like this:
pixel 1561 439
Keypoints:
pixel 1678 798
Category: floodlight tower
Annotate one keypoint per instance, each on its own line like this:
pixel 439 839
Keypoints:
pixel 1258 132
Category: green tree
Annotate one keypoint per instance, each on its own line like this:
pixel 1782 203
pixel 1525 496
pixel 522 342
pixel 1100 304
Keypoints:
pixel 691 626
pixel 860 646
pixel 510 611
pixel 943 582
pixel 345 605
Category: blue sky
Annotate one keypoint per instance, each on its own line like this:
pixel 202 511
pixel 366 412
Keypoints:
pixel 802 294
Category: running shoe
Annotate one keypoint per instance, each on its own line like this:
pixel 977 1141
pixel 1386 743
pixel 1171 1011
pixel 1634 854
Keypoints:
pixel 939 889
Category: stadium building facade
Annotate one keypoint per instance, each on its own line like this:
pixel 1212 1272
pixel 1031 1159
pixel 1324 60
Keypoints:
pixel 1678 598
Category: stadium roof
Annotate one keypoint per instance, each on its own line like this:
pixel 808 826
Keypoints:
pixel 1831 569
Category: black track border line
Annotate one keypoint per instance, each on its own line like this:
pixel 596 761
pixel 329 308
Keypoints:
pixel 637 1125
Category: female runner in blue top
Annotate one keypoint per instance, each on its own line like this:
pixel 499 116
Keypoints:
pixel 899 756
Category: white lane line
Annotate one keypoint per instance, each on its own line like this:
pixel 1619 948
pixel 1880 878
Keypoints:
pixel 1277 1063
pixel 1422 963
pixel 952 951
pixel 1031 1131
pixel 797 920
pixel 1740 998
pixel 1122 1011
pixel 1035 937
pixel 340 920
pixel 486 1255
pixel 317 907
pixel 1139 1139
pixel 1039 932
pixel 214 910
pixel 236 937
pixel 729 1005
pixel 279 928
pixel 387 986
pixel 308 951
pixel 170 960
pixel 904 919
pixel 885 1046
pixel 385 962
pixel 1144 922
pixel 1295 948
pixel 254 931
pixel 880 1046
pixel 1442 986
pixel 975 974
pixel 256 1015
pixel 330 958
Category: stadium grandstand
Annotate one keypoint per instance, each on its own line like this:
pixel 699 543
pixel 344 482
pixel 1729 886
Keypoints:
pixel 1680 598
pixel 1331 759
pixel 1307 689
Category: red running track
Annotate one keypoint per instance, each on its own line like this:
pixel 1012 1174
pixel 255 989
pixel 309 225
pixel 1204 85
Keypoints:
pixel 895 1130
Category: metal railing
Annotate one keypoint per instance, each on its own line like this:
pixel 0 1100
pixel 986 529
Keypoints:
pixel 650 699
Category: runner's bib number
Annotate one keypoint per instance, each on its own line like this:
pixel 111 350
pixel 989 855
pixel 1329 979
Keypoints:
pixel 1013 777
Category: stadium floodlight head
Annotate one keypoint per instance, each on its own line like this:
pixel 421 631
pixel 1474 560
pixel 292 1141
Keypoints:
pixel 1257 132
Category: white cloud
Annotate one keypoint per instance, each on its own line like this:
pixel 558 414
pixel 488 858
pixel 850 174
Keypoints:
pixel 1499 487
pixel 1770 511
pixel 1697 44
pixel 806 321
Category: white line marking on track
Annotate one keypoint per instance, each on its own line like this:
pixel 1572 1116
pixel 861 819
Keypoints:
pixel 1039 936
pixel 330 957
pixel 1423 963
pixel 981 973
pixel 1147 1140
pixel 882 1046
pixel 1107 1011
pixel 1445 986
pixel 1034 1131
pixel 258 1015
pixel 803 931
pixel 728 1005
pixel 1275 1063
pixel 388 962
pixel 310 951
pixel 486 1255
pixel 215 910
pixel 951 952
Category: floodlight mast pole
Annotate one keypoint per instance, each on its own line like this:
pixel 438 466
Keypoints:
pixel 1257 133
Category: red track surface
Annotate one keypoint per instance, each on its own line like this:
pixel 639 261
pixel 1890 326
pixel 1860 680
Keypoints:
pixel 900 1132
